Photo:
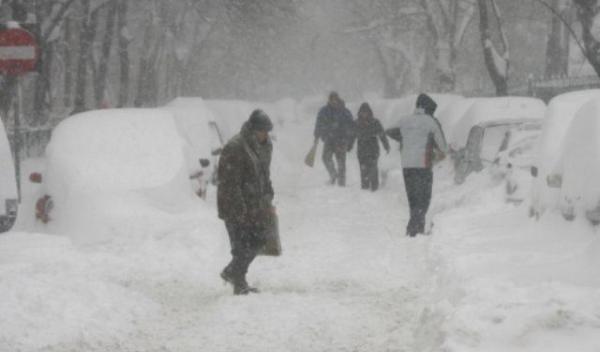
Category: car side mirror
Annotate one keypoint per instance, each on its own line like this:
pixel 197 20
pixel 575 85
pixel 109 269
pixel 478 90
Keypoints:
pixel 217 151
pixel 35 177
pixel 204 162
pixel 534 171
pixel 554 180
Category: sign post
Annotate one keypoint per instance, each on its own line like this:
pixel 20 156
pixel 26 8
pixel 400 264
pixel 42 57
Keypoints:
pixel 19 53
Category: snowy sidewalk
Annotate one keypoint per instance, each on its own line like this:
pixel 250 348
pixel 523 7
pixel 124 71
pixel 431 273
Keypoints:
pixel 348 281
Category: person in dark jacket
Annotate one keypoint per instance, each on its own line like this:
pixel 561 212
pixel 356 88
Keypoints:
pixel 420 135
pixel 368 130
pixel 334 127
pixel 245 196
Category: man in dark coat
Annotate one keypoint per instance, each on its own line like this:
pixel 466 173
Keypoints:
pixel 334 127
pixel 245 196
pixel 368 131
pixel 419 135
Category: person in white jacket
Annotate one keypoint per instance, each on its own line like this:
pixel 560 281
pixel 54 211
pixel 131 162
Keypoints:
pixel 420 136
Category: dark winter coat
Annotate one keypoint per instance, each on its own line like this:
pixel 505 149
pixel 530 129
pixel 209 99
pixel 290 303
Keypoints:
pixel 367 131
pixel 334 125
pixel 244 191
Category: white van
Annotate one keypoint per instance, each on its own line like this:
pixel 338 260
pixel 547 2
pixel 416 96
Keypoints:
pixel 9 199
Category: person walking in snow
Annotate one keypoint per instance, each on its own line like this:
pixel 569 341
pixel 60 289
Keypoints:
pixel 420 135
pixel 334 126
pixel 368 130
pixel 245 196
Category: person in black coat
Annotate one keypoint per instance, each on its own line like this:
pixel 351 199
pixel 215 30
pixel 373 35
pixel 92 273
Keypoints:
pixel 334 126
pixel 368 130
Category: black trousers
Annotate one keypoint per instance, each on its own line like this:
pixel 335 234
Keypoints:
pixel 339 150
pixel 418 183
pixel 245 244
pixel 369 173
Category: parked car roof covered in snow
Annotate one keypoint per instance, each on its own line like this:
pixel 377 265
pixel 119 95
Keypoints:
pixel 559 115
pixel 99 161
pixel 579 163
pixel 451 114
pixel 197 124
pixel 498 108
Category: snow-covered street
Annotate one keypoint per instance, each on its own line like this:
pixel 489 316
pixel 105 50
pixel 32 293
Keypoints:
pixel 487 279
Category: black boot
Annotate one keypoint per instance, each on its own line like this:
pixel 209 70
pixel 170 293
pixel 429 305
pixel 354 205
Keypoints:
pixel 227 276
pixel 241 287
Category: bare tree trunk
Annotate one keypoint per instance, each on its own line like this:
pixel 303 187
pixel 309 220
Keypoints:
pixel 448 21
pixel 497 65
pixel 102 79
pixel 147 80
pixel 123 54
pixel 587 12
pixel 557 48
pixel 67 54
pixel 86 39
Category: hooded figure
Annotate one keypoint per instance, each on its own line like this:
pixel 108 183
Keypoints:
pixel 335 128
pixel 420 135
pixel 368 132
pixel 245 195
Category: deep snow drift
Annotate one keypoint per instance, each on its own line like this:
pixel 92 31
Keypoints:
pixel 488 279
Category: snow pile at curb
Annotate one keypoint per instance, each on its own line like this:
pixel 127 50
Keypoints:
pixel 51 296
pixel 503 282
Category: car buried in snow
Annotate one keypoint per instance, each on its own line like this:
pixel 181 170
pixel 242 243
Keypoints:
pixel 506 148
pixel 501 133
pixel 134 160
pixel 576 176
pixel 9 199
pixel 545 191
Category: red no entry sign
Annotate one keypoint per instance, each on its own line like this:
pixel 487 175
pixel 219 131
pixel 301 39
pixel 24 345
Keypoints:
pixel 18 52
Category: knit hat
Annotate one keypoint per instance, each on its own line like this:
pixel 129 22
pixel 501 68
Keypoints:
pixel 425 102
pixel 260 121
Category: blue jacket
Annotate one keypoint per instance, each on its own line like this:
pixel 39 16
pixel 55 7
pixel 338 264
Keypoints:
pixel 334 125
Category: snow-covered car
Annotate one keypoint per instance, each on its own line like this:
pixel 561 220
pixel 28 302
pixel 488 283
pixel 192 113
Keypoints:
pixel 507 148
pixel 559 116
pixel 205 137
pixel 9 199
pixel 577 173
pixel 451 114
pixel 109 167
pixel 495 109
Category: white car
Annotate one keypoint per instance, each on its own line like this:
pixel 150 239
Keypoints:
pixel 559 116
pixel 204 136
pixel 9 199
pixel 112 167
pixel 577 173
pixel 494 109
pixel 506 148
